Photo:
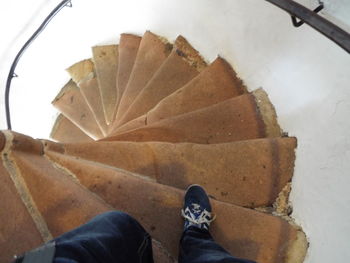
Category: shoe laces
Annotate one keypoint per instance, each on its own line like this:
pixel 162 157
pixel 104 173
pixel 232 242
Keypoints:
pixel 204 217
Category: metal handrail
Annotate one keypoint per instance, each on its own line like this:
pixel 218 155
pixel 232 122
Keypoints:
pixel 12 73
pixel 322 25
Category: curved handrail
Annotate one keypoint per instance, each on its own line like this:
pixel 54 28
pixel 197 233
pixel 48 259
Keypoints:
pixel 12 73
pixel 322 25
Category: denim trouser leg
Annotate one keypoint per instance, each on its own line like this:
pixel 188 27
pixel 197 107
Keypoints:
pixel 198 246
pixel 109 237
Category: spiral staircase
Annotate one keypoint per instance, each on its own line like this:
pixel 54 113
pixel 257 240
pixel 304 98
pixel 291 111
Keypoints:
pixel 139 122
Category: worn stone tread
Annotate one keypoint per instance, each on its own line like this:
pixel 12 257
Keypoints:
pixel 106 66
pixel 62 202
pixel 81 70
pixel 66 131
pixel 152 52
pixel 17 229
pixel 71 103
pixel 216 83
pixel 182 65
pixel 128 47
pixel 90 90
pixel 247 173
pixel 234 119
pixel 243 232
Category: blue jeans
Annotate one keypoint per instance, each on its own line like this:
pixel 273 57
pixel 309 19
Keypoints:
pixel 108 238
pixel 115 237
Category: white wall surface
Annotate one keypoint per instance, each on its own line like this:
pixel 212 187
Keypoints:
pixel 306 76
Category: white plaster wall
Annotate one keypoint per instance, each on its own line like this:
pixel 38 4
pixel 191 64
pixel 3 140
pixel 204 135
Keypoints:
pixel 306 76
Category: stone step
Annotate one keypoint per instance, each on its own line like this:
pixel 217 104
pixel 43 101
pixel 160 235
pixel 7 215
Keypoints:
pixel 152 52
pixel 243 232
pixel 81 73
pixel 46 199
pixel 248 116
pixel 59 202
pixel 65 131
pixel 81 70
pixel 18 230
pixel 90 90
pixel 182 65
pixel 247 173
pixel 71 103
pixel 216 83
pixel 106 65
pixel 128 47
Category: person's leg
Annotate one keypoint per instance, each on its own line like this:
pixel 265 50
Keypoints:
pixel 196 244
pixel 109 237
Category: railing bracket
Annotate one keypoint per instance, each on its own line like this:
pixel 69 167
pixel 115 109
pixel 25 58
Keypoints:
pixel 69 4
pixel 297 23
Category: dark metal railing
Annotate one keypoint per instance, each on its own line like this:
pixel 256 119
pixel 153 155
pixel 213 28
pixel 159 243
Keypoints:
pixel 12 73
pixel 325 27
pixel 322 25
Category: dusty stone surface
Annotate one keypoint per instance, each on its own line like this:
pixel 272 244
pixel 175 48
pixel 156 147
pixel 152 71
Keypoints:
pixel 65 131
pixel 106 66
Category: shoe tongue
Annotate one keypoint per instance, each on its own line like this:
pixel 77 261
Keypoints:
pixel 196 209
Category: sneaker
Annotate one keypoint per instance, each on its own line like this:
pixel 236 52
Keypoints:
pixel 197 208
